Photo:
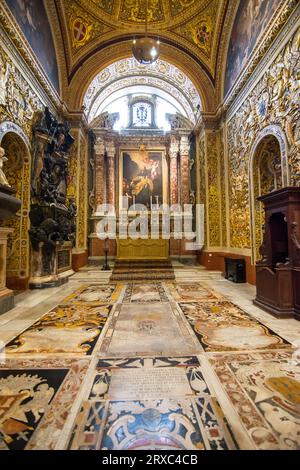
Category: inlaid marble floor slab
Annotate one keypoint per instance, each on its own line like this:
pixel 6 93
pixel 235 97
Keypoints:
pixel 222 326
pixel 191 364
pixel 264 390
pixel 67 329
pixel 36 398
pixel 148 329
pixel 165 404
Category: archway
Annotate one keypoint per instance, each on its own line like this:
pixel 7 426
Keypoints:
pixel 17 171
pixel 266 175
pixel 128 76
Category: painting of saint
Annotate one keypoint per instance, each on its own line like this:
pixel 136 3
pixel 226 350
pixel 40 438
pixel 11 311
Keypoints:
pixel 32 18
pixel 142 178
pixel 253 17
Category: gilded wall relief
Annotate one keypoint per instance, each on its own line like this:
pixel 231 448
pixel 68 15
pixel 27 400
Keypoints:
pixel 18 105
pixel 213 172
pixel 105 5
pixel 82 214
pixel 18 102
pixel 73 168
pixel 202 179
pixel 77 186
pixel 271 103
pixel 223 195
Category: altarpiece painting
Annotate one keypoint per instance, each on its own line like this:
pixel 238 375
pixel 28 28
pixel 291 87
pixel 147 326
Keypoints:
pixel 142 178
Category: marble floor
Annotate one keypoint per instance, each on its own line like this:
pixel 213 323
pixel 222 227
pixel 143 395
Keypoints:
pixel 190 364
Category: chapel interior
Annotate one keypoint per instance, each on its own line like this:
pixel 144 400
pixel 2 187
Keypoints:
pixel 149 225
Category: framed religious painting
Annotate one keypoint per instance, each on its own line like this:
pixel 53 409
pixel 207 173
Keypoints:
pixel 142 178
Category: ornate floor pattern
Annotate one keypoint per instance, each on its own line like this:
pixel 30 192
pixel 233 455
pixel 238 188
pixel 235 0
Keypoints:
pixel 264 389
pixel 175 365
pixel 172 408
pixel 68 328
pixel 151 328
pixel 144 293
pixel 36 397
pixel 222 326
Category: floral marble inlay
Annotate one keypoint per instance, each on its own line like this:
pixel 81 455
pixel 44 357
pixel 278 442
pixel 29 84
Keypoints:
pixel 222 326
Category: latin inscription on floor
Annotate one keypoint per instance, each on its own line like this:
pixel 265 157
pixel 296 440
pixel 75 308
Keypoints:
pixel 151 383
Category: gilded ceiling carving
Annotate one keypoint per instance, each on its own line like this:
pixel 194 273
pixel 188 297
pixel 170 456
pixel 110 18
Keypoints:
pixel 82 26
pixel 178 6
pixel 105 5
pixel 201 29
pixel 135 11
pixel 193 25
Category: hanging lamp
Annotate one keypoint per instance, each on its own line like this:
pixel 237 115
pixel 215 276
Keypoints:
pixel 146 50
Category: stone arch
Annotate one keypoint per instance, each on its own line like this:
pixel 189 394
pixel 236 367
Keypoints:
pixel 8 126
pixel 268 171
pixel 93 66
pixel 17 170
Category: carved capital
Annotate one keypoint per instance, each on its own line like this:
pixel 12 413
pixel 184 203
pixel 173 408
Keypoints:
pixel 99 146
pixel 184 145
pixel 174 147
pixel 111 150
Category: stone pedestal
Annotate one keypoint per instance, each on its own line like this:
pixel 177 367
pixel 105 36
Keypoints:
pixel 6 295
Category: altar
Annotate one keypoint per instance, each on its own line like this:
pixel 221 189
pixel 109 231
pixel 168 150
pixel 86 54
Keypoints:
pixel 143 249
pixel 139 170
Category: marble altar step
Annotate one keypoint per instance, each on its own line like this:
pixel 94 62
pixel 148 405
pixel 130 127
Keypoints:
pixel 142 270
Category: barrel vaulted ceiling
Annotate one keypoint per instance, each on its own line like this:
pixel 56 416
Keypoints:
pixel 91 35
pixel 194 25
pixel 96 33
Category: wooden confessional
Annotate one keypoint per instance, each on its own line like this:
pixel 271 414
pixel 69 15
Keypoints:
pixel 278 272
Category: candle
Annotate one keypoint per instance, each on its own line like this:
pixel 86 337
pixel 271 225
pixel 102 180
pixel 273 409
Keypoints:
pixel 157 205
pixel 151 202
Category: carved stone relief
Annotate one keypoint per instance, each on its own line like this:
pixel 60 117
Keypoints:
pixel 271 106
